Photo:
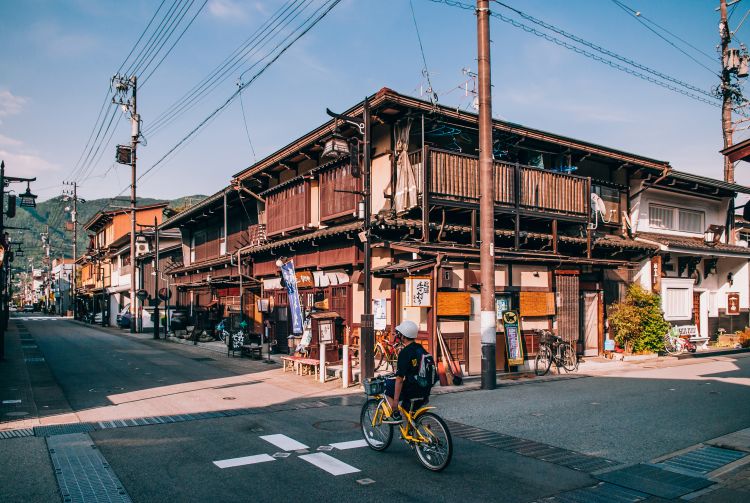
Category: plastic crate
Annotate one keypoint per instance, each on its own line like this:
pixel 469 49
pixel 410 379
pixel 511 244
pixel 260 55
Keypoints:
pixel 374 386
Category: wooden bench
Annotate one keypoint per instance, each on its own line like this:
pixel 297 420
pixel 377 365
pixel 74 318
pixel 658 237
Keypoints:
pixel 301 365
pixel 691 333
pixel 253 350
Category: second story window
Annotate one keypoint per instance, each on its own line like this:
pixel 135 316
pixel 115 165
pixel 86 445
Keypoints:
pixel 676 219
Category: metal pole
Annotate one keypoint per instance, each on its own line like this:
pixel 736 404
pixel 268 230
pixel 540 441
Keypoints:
pixel 135 126
pixel 486 199
pixel 157 320
pixel 74 216
pixel 367 331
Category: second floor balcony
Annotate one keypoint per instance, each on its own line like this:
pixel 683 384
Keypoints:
pixel 453 180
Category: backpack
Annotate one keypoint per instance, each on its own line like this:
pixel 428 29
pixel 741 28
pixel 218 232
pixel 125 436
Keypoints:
pixel 427 375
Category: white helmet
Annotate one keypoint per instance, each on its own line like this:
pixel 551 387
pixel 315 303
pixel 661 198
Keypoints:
pixel 408 329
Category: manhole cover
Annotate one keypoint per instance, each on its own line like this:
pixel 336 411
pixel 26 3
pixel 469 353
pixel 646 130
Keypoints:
pixel 336 425
pixel 17 414
pixel 113 389
pixel 229 398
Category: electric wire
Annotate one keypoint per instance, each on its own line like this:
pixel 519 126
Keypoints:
pixel 425 70
pixel 607 52
pixel 312 21
pixel 145 30
pixel 169 51
pixel 161 41
pixel 150 43
pixel 247 131
pixel 279 20
pixel 583 52
pixel 639 17
pixel 739 25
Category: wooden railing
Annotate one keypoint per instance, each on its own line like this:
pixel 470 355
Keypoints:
pixel 288 209
pixel 338 193
pixel 455 177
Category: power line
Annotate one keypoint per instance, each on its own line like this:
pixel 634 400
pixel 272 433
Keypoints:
pixel 320 15
pixel 583 52
pixel 425 71
pixel 640 18
pixel 279 20
pixel 605 51
pixel 247 131
pixel 146 50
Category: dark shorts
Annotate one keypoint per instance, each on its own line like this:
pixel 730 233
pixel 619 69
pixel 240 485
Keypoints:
pixel 408 392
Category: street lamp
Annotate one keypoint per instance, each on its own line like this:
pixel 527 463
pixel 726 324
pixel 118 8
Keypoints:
pixel 336 146
pixel 28 200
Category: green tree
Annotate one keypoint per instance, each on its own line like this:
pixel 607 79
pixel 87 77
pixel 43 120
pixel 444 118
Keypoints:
pixel 637 321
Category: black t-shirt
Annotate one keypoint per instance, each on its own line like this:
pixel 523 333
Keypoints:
pixel 409 360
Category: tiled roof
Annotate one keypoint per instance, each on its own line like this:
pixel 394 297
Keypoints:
pixel 693 244
pixel 328 231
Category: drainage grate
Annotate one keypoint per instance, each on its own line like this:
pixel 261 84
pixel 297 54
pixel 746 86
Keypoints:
pixel 655 481
pixel 531 449
pixel 34 359
pixel 82 473
pixel 703 460
pixel 62 429
pixel 23 432
pixel 602 493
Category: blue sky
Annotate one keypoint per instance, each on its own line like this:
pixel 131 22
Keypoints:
pixel 58 58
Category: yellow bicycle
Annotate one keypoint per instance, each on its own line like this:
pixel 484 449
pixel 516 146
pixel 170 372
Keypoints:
pixel 422 430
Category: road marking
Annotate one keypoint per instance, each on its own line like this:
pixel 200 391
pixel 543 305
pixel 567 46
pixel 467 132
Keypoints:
pixel 11 401
pixel 329 464
pixel 352 444
pixel 247 460
pixel 284 442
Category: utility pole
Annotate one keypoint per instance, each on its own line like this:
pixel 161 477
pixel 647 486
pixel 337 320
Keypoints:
pixel 122 86
pixel 486 200
pixel 74 221
pixel 157 319
pixel 726 94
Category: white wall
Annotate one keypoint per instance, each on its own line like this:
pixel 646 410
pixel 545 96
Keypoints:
pixel 715 211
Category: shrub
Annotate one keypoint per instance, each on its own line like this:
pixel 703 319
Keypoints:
pixel 637 321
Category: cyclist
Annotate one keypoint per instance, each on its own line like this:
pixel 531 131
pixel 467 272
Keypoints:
pixel 403 386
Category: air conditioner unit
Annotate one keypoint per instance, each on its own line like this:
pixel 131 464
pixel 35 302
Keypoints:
pixel 141 248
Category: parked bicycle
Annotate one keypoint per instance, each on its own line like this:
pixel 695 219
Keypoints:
pixel 552 349
pixel 386 351
pixel 675 345
pixel 424 431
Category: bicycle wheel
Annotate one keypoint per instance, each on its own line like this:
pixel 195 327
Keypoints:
pixel 569 358
pixel 436 453
pixel 669 345
pixel 379 356
pixel 377 434
pixel 543 361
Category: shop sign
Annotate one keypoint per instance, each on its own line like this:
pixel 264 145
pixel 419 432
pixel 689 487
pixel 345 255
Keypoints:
pixel 733 303
pixel 305 279
pixel 513 337
pixel 537 303
pixel 378 310
pixel 418 292
pixel 656 274
pixel 287 271
pixel 453 304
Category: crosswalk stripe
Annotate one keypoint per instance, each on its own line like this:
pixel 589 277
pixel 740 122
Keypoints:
pixel 284 442
pixel 351 444
pixel 246 460
pixel 329 463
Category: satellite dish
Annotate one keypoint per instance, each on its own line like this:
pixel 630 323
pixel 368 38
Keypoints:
pixel 475 103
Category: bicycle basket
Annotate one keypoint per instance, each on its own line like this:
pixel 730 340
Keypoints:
pixel 374 386
pixel 546 338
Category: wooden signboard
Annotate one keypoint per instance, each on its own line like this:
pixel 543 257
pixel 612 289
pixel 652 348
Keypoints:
pixel 656 267
pixel 537 303
pixel 454 304
pixel 733 303
pixel 305 279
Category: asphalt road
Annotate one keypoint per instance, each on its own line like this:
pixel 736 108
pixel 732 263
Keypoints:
pixel 632 416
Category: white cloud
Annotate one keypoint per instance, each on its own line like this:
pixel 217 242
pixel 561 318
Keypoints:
pixel 27 164
pixel 227 9
pixel 9 142
pixel 10 104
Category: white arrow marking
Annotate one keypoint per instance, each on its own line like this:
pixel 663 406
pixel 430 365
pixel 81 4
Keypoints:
pixel 284 442
pixel 352 444
pixel 329 464
pixel 247 460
